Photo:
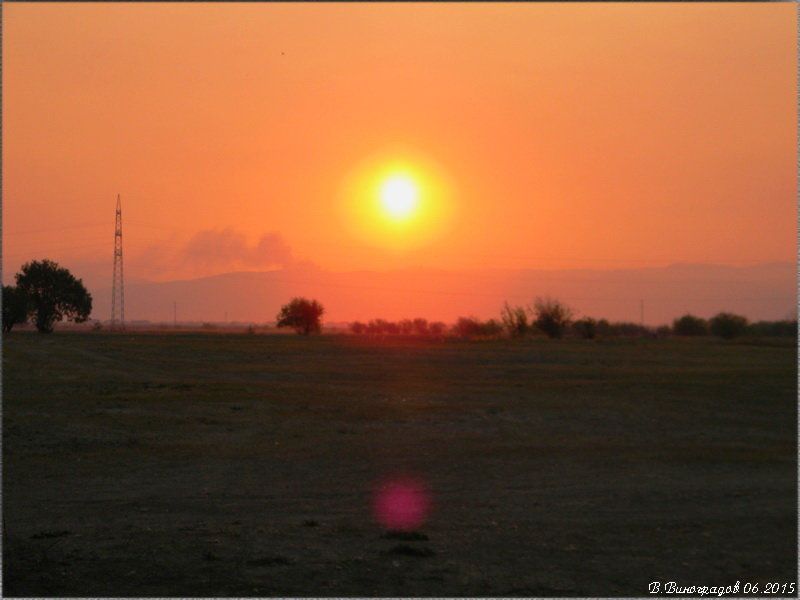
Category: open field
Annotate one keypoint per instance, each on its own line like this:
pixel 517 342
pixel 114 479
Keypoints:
pixel 235 465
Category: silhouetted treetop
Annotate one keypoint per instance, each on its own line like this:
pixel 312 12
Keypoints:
pixel 304 316
pixel 53 294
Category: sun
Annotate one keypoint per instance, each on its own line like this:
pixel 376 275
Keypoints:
pixel 398 196
pixel 397 199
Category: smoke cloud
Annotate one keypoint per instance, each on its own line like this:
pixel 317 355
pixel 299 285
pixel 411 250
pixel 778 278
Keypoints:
pixel 228 248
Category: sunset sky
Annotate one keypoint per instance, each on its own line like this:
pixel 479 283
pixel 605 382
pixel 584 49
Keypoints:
pixel 254 136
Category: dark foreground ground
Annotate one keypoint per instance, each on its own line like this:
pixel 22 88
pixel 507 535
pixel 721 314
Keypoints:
pixel 212 465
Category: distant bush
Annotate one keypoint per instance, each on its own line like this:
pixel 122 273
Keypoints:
pixel 787 328
pixel 515 320
pixel 376 326
pixel 420 326
pixel 728 325
pixel 406 326
pixel 437 328
pixel 626 328
pixel 416 327
pixel 603 328
pixel 491 327
pixel 663 331
pixel 552 317
pixel 466 326
pixel 472 326
pixel 586 328
pixel 690 325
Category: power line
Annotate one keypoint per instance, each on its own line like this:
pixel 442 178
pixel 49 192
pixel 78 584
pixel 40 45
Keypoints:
pixel 95 245
pixel 51 229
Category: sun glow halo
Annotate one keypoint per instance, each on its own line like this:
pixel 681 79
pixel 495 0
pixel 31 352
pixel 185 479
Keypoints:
pixel 398 196
pixel 398 201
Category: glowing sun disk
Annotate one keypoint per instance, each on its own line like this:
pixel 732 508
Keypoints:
pixel 398 196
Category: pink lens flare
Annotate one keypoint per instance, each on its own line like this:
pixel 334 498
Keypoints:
pixel 401 503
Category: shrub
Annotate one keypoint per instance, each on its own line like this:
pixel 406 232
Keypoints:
pixel 406 326
pixel 436 328
pixel 663 331
pixel 515 320
pixel 690 325
pixel 471 326
pixel 420 326
pixel 728 325
pixel 551 316
pixel 586 328
pixel 786 328
pixel 627 328
pixel 491 327
pixel 466 326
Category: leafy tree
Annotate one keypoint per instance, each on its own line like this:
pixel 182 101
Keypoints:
pixel 53 294
pixel 663 331
pixel 358 327
pixel 436 328
pixel 728 325
pixel 304 316
pixel 690 325
pixel 466 326
pixel 586 328
pixel 626 328
pixel 777 328
pixel 551 316
pixel 15 307
pixel 420 326
pixel 378 326
pixel 603 327
pixel 515 320
pixel 472 326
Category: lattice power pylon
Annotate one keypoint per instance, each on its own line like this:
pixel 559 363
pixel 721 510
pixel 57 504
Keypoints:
pixel 118 282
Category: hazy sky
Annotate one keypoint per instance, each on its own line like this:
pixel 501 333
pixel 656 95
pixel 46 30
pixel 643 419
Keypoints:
pixel 251 136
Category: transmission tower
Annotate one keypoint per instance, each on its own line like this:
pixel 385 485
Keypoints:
pixel 118 281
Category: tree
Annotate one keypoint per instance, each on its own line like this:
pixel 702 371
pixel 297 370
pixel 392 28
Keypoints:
pixel 690 325
pixel 302 315
pixel 358 327
pixel 53 294
pixel 472 326
pixel 467 326
pixel 728 325
pixel 420 326
pixel 406 326
pixel 515 320
pixel 15 307
pixel 586 328
pixel 436 328
pixel 551 316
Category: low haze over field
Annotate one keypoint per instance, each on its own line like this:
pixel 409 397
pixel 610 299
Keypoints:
pixel 452 151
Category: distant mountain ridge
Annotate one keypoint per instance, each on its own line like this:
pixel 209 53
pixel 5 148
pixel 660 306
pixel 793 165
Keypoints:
pixel 766 291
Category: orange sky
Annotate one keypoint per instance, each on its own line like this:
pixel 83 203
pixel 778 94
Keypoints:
pixel 558 135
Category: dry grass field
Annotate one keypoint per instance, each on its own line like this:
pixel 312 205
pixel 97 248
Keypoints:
pixel 236 465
